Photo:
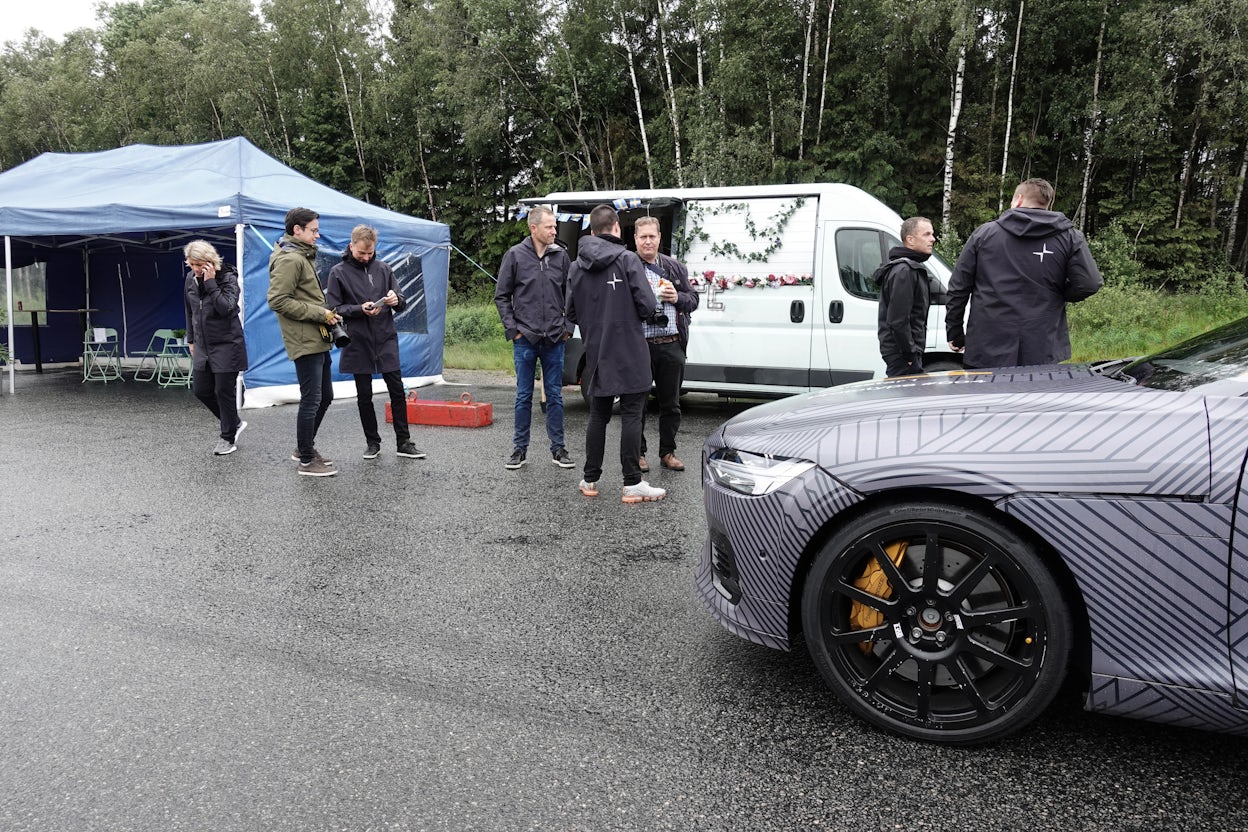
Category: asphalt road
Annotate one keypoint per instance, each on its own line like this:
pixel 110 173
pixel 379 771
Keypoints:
pixel 200 643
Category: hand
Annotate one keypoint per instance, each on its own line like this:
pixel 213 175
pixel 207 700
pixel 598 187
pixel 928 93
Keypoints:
pixel 209 272
pixel 391 299
pixel 371 309
pixel 952 348
pixel 332 317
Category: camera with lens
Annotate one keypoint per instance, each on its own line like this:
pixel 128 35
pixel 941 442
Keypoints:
pixel 339 335
pixel 659 318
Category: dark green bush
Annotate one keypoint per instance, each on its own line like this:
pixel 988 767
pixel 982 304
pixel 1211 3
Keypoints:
pixel 473 324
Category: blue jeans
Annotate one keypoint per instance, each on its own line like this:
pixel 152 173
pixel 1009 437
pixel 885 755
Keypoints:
pixel 527 356
pixel 316 394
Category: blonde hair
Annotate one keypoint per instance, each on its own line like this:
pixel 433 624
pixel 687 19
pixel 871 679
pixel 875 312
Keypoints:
pixel 202 251
pixel 364 234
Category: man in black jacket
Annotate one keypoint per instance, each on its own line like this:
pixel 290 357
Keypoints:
pixel 530 296
pixel 904 297
pixel 1022 269
pixel 362 289
pixel 609 296
pixel 667 332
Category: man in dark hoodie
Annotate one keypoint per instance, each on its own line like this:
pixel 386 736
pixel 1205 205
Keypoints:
pixel 904 298
pixel 531 296
pixel 1022 269
pixel 608 297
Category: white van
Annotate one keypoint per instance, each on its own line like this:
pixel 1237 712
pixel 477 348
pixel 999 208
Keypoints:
pixel 784 273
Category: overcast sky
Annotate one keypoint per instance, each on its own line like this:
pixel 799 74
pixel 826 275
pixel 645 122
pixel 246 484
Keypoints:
pixel 52 17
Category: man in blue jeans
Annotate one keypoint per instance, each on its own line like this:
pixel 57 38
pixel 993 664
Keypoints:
pixel 296 296
pixel 530 296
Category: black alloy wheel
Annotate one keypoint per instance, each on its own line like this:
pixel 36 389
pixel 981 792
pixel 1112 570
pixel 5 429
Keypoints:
pixel 937 623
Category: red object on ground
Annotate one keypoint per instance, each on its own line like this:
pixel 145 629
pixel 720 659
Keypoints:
pixel 464 413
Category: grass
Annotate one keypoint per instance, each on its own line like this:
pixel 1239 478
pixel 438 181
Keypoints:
pixel 1118 322
pixel 1114 323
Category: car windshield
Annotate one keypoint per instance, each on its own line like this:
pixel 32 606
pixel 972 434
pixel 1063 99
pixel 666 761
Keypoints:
pixel 1217 355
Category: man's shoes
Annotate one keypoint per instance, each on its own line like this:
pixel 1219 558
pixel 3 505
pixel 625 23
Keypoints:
pixel 670 462
pixel 645 466
pixel 224 446
pixel 316 468
pixel 372 450
pixel 317 458
pixel 407 449
pixel 643 492
pixel 242 426
pixel 560 457
pixel 589 489
pixel 516 459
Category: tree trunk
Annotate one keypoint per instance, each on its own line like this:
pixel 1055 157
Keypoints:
pixel 1239 195
pixel 424 172
pixel 1009 109
pixel 671 94
pixel 801 125
pixel 1081 214
pixel 1188 164
pixel 823 85
pixel 281 117
pixel 641 116
pixel 946 210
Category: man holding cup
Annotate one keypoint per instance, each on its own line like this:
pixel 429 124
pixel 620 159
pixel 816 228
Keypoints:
pixel 667 333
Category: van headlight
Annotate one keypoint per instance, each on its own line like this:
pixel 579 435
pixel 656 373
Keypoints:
pixel 754 474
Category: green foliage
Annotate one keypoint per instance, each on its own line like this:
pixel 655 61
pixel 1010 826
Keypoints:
pixel 475 323
pixel 1122 321
pixel 454 109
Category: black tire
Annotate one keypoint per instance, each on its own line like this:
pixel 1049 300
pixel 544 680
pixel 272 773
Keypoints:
pixel 942 366
pixel 972 640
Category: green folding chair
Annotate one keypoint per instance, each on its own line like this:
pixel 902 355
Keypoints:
pixel 148 357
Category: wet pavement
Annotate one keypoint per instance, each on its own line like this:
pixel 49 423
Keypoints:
pixel 200 643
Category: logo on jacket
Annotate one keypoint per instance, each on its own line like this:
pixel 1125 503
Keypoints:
pixel 615 278
pixel 1044 249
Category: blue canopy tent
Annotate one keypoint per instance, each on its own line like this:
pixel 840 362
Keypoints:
pixel 109 228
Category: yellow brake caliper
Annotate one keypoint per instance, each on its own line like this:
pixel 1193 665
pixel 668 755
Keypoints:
pixel 873 581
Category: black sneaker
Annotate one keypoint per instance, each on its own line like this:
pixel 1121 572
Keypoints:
pixel 517 459
pixel 410 451
pixel 372 450
pixel 560 457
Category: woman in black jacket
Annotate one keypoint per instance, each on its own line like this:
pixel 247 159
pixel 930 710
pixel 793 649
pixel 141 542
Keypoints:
pixel 214 331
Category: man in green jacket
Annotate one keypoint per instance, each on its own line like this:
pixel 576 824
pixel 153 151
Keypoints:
pixel 296 296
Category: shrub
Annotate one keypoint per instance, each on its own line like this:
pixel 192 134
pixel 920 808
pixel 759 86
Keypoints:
pixel 473 324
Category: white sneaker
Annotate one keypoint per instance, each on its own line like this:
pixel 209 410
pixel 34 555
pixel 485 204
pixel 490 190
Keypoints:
pixel 242 426
pixel 589 489
pixel 643 492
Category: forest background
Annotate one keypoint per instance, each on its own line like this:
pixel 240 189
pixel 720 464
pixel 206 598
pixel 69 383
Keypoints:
pixel 1137 110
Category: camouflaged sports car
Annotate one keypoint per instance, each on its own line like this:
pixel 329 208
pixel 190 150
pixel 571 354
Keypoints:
pixel 954 546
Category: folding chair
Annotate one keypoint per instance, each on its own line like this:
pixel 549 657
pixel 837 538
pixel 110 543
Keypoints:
pixel 155 347
pixel 101 355
pixel 173 365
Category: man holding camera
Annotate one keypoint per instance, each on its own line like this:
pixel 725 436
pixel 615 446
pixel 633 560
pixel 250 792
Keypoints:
pixel 295 295
pixel 362 289
pixel 667 333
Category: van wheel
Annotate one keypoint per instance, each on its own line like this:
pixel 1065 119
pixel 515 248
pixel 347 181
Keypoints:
pixel 943 366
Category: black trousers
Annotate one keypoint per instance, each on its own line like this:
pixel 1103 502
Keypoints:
pixel 398 406
pixel 631 407
pixel 217 392
pixel 667 365
pixel 903 365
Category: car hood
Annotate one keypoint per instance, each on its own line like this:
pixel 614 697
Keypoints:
pixel 1061 428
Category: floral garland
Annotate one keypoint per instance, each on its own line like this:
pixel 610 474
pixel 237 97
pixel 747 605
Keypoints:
pixel 749 281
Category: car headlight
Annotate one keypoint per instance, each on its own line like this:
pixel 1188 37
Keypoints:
pixel 754 474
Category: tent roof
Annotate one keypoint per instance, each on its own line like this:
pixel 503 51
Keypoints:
pixel 142 188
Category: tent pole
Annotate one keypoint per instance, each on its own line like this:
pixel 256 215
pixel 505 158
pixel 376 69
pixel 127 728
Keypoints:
pixel 239 236
pixel 8 290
